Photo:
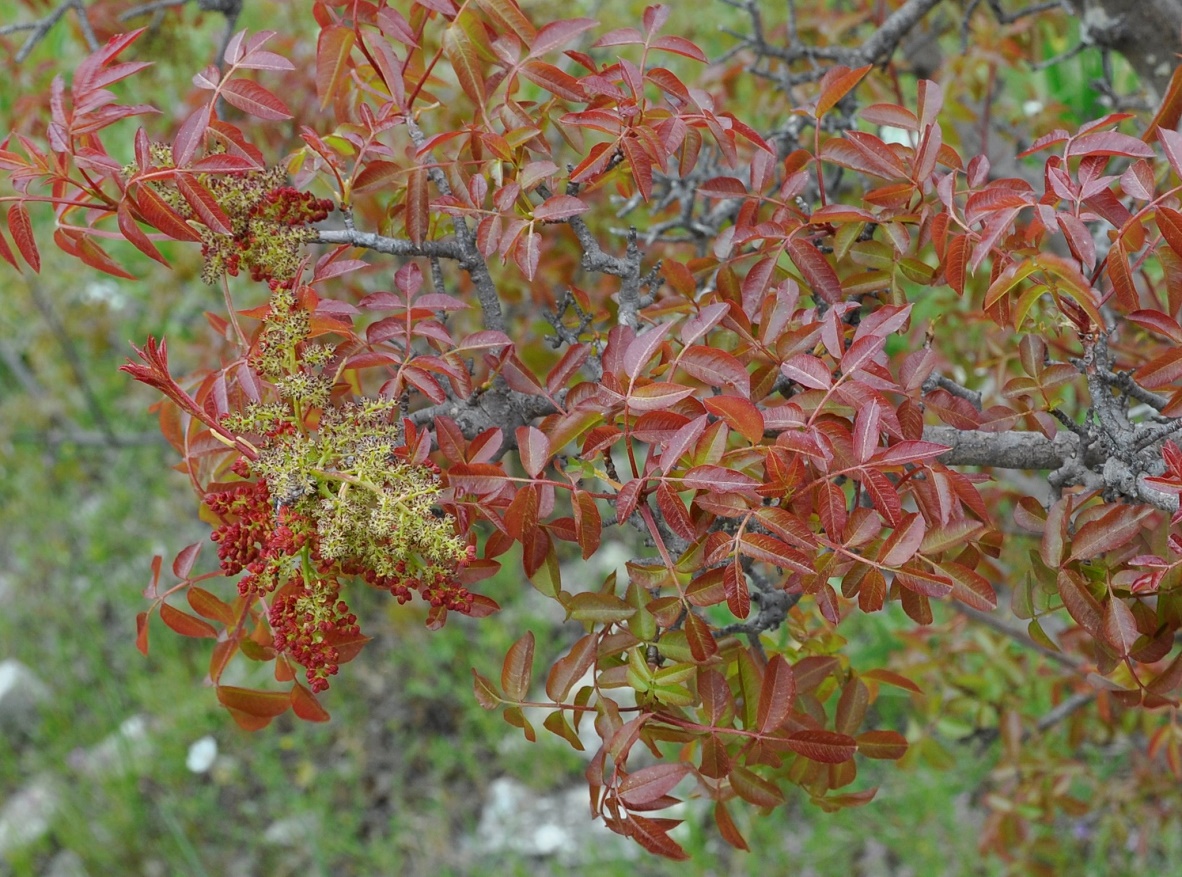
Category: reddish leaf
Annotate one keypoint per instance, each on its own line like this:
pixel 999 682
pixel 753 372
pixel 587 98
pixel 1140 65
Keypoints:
pixel 715 368
pixel 1079 602
pixel 650 783
pixel 517 669
pixel 1160 371
pixel 641 349
pixel 1169 222
pixel 161 216
pixel 597 608
pixel 1120 626
pixel 734 583
pixel 866 430
pixel 559 207
pixel 970 587
pixel 534 449
pixel 190 135
pixel 657 395
pixel 141 632
pixel 1121 276
pixel 558 33
pixel 1109 532
pixel 252 98
pixel 679 46
pixel 674 512
pixel 22 235
pixel 486 695
pixel 903 542
pixel 777 695
pixel 186 624
pixel 417 204
pixel 527 253
pixel 827 747
pixel 768 549
pixel 701 641
pixel 815 268
pixel 305 705
pixel 202 201
pixel 332 61
pixel 922 582
pixel 260 704
pixel 521 517
pixel 889 745
pixel 131 230
pixel 739 413
pixel 1109 143
pixel 838 82
pixel 207 605
pixel 653 835
pixel 956 259
pixel 571 667
pixel 588 523
pixel 753 788
pixel 727 828
pixel 717 479
pixel 462 56
pixel 808 371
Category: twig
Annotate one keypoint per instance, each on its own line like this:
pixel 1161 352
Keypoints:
pixel 886 39
pixel 1069 706
pixel 43 26
pixel 936 379
pixel 149 8
pixel 469 254
pixel 446 249
pixel 1018 636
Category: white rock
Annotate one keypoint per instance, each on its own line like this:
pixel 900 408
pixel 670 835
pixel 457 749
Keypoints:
pixel 124 751
pixel 21 693
pixel 292 831
pixel 27 815
pixel 202 754
pixel 516 819
pixel 67 863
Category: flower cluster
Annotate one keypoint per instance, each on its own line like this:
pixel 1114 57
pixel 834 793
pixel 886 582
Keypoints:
pixel 331 494
pixel 270 222
pixel 309 622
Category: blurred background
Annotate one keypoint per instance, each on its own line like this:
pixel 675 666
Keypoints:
pixel 116 764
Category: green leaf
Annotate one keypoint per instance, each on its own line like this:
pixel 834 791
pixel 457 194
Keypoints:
pixel 599 608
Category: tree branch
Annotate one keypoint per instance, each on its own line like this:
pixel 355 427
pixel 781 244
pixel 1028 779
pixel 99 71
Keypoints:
pixel 42 26
pixel 446 249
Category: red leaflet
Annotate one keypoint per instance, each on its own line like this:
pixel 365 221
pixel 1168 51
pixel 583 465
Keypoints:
pixel 815 268
pixel 827 747
pixel 838 82
pixel 21 229
pixel 417 204
pixel 186 624
pixel 777 695
pixel 252 98
pixel 332 61
pixel 651 783
pixel 517 669
pixel 533 448
pixel 1122 277
pixel 740 413
pixel 716 368
pixel 203 203
pixel 189 137
pixel 461 54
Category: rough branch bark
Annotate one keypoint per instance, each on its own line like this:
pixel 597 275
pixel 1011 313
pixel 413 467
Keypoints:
pixel 1148 33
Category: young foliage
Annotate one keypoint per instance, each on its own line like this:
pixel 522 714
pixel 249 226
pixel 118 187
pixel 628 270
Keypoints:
pixel 756 378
